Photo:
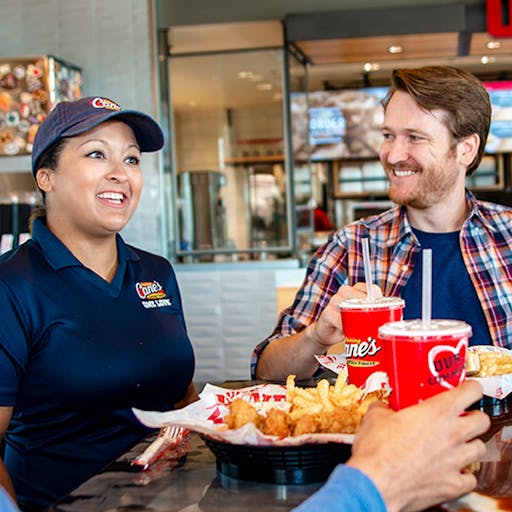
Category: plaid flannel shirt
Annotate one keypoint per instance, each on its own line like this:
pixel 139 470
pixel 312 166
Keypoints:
pixel 486 245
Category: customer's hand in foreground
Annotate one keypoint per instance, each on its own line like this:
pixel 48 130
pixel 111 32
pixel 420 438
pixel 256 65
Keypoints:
pixel 417 457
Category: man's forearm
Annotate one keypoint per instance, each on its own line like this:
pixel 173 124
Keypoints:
pixel 293 354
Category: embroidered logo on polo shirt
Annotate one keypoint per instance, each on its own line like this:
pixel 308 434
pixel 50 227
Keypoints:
pixel 152 294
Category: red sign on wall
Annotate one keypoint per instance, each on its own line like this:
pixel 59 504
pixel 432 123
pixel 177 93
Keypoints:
pixel 497 26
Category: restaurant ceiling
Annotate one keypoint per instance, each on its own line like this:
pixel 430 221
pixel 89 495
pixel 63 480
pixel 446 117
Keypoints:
pixel 362 57
pixel 368 61
pixel 364 46
pixel 336 64
pixel 376 49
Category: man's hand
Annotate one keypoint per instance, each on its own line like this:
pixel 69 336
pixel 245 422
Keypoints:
pixel 327 330
pixel 295 353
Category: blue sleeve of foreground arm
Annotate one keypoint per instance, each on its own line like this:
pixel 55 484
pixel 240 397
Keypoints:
pixel 6 504
pixel 347 490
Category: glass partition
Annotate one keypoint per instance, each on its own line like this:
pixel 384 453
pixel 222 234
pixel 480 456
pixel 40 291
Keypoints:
pixel 228 133
pixel 300 161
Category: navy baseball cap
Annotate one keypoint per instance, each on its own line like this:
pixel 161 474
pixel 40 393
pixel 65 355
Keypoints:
pixel 70 118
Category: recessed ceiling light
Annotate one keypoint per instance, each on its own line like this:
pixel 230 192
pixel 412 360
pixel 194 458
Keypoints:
pixel 371 66
pixel 493 44
pixel 264 87
pixel 394 48
pixel 485 59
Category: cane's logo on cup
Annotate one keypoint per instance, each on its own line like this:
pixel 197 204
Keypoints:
pixel 355 348
pixel 104 103
pixel 361 319
pixel 446 364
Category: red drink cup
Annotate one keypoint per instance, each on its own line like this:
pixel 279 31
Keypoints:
pixel 361 320
pixel 421 361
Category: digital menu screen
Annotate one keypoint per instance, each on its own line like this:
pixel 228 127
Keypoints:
pixel 337 124
pixel 326 125
pixel 500 133
pixel 346 123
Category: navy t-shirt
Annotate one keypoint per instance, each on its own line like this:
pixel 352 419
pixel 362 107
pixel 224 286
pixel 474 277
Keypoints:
pixel 453 293
pixel 76 353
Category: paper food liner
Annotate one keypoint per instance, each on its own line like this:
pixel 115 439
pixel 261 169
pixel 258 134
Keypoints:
pixel 497 386
pixel 337 363
pixel 206 417
pixel 334 362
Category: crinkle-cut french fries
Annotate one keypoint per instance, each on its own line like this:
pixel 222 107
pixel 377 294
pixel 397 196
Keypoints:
pixel 491 362
pixel 326 408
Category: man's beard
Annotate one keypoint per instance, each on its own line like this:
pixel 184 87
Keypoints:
pixel 433 184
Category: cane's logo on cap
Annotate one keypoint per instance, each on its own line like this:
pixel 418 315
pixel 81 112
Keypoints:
pixel 104 103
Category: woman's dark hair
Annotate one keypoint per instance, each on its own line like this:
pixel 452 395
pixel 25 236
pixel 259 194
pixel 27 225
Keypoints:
pixel 459 93
pixel 50 160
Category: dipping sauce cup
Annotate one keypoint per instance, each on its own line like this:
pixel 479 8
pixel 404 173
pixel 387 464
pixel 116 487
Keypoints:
pixel 421 361
pixel 361 319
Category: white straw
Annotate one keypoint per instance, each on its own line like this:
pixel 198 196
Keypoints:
pixel 426 288
pixel 367 269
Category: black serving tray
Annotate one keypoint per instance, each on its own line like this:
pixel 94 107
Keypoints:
pixel 302 464
pixel 494 406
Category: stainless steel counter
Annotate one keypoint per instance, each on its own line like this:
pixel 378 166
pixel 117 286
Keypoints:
pixel 268 264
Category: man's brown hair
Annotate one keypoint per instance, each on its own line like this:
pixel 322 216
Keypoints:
pixel 459 93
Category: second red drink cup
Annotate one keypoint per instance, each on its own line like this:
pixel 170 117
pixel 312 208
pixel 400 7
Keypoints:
pixel 423 361
pixel 361 319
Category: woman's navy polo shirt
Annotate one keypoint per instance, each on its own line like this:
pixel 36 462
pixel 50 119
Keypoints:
pixel 76 353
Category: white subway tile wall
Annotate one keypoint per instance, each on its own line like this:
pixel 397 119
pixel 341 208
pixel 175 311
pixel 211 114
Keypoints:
pixel 227 312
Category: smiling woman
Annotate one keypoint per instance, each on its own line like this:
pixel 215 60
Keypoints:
pixel 90 326
pixel 95 188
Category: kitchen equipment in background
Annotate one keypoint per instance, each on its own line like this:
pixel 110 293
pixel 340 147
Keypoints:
pixel 267 207
pixel 203 216
pixel 29 88
pixel 15 211
pixel 347 211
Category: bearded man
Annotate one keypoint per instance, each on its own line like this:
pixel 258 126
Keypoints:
pixel 435 129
